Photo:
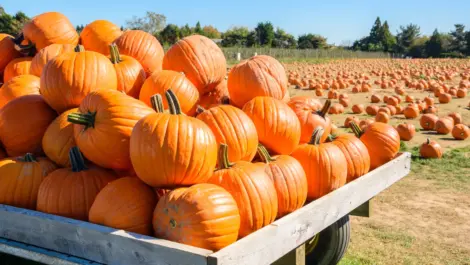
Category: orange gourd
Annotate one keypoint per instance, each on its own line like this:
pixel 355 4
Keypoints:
pixel 444 125
pixel 7 51
pixel 356 154
pixel 372 110
pixel 311 114
pixel 411 112
pixel 218 96
pixel 382 117
pixel 406 131
pixel 460 132
pixel 457 117
pixel 16 67
pixel 18 86
pixel 430 149
pixel 428 121
pixel 46 54
pixel 357 108
pixel 98 35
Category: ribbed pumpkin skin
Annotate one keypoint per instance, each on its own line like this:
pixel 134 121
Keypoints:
pixel 143 47
pixel 16 67
pixel 219 95
pixel 130 76
pixel 20 180
pixel 79 73
pixel 325 167
pixel 107 143
pixel 49 28
pixel 258 76
pixel 305 108
pixel 200 59
pixel 253 191
pixel 18 86
pixel 7 51
pixel 98 35
pixel 356 154
pixel 47 54
pixel 71 194
pixel 23 122
pixel 382 142
pixel 159 82
pixel 277 125
pixel 428 121
pixel 215 219
pixel 58 139
pixel 127 204
pixel 234 128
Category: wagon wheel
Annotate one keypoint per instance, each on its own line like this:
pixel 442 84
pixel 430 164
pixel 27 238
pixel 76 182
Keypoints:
pixel 328 246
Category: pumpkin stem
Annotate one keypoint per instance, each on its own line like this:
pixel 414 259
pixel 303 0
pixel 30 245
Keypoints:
pixel 222 158
pixel 79 48
pixel 173 103
pixel 316 136
pixel 199 109
pixel 325 108
pixel 157 103
pixel 331 138
pixel 264 154
pixel 86 119
pixel 114 52
pixel 225 100
pixel 428 141
pixel 28 49
pixel 76 160
pixel 356 129
pixel 28 158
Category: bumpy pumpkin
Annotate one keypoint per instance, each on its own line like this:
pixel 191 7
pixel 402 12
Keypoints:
pixel 78 73
pixel 20 178
pixel 233 127
pixel 215 229
pixel 16 67
pixel 356 154
pixel 103 126
pixel 47 54
pixel 98 35
pixel 127 204
pixel 277 125
pixel 7 51
pixel 430 149
pixel 406 131
pixel 23 122
pixel 18 86
pixel 251 188
pixel 70 192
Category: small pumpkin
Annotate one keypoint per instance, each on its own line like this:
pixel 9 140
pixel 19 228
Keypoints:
pixel 374 99
pixel 311 114
pixel 457 117
pixel 357 108
pixel 411 112
pixel 393 109
pixel 444 125
pixel 428 121
pixel 7 51
pixel 356 154
pixel 406 131
pixel 445 98
pixel 46 54
pixel 460 132
pixel 430 149
pixel 336 109
pixel 16 67
pixel 18 86
pixel 382 117
pixel 350 119
pixel 372 110
pixel 365 123
pixel 98 35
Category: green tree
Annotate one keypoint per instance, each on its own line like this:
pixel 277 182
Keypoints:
pixel 375 36
pixel 265 34
pixel 170 34
pixel 185 31
pixel 152 23
pixel 458 42
pixel 211 32
pixel 198 29
pixel 418 47
pixel 79 28
pixel 386 38
pixel 235 36
pixel 283 39
pixel 434 45
pixel 406 36
pixel 12 24
pixel 311 41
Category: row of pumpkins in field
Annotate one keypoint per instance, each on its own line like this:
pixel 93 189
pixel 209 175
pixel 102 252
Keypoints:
pixel 134 147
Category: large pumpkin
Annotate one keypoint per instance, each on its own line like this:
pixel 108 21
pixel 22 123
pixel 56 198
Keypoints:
pixel 78 73
pixel 98 35
pixel 356 154
pixel 288 178
pixel 103 126
pixel 16 67
pixel 7 51
pixel 172 149
pixel 142 46
pixel 311 115
pixel 159 82
pixel 219 95
pixel 200 59
pixel 260 75
pixel 277 125
pixel 58 139
pixel 324 164
pixel 46 54
pixel 20 178
pixel 233 127
pixel 70 192
pixel 23 122
pixel 251 188
pixel 127 204
pixel 215 229
pixel 18 86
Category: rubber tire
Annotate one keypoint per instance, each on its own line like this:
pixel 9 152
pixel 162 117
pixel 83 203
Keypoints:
pixel 332 244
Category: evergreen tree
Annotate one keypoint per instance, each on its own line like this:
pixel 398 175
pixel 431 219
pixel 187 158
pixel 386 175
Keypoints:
pixel 434 45
pixel 198 29
pixel 386 38
pixel 376 32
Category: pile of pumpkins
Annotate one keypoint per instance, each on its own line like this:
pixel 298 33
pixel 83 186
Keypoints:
pixel 104 127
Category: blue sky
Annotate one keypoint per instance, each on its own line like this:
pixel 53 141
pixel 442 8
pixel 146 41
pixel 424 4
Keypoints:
pixel 338 20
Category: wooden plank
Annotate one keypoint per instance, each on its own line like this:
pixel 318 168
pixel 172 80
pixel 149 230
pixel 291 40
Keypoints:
pixel 364 210
pixel 274 241
pixel 93 242
pixel 295 257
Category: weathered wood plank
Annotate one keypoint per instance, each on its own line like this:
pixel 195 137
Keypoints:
pixel 93 242
pixel 295 257
pixel 274 241
pixel 364 210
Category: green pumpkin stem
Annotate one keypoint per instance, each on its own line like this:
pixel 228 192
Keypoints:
pixel 76 160
pixel 79 48
pixel 173 102
pixel 28 49
pixel 356 129
pixel 157 103
pixel 28 158
pixel 222 157
pixel 114 52
pixel 324 110
pixel 264 154
pixel 86 119
pixel 331 138
pixel 316 136
pixel 428 141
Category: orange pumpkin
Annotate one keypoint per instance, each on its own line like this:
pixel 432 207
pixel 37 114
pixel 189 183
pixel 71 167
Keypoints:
pixel 411 112
pixel 356 154
pixel 375 99
pixel 350 119
pixel 406 131
pixel 460 132
pixel 372 110
pixel 445 98
pixel 18 86
pixel 444 125
pixel 358 108
pixel 98 35
pixel 7 51
pixel 457 117
pixel 46 54
pixel 428 121
pixel 382 117
pixel 462 93
pixel 430 149
pixel 16 67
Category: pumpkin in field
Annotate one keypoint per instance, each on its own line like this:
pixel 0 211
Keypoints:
pixel 372 110
pixel 215 229
pixel 382 142
pixel 365 123
pixel 430 149
pixel 336 109
pixel 7 51
pixel 406 131
pixel 218 96
pixel 98 35
pixel 411 112
pixel 277 125
pixel 58 139
pixel 233 127
pixel 445 98
pixel 356 154
pixel 20 178
pixel 460 132
pixel 16 67
pixel 70 192
pixel 428 121
pixel 46 54
pixel 357 108
pixel 457 117
pixel 127 204
pixel 78 73
pixel 382 117
pixel 324 165
pixel 311 114
pixel 159 82
pixel 103 126
pixel 349 119
pixel 374 99
pixel 178 150
pixel 200 59
pixel 444 125
pixel 289 180
pixel 258 76
pixel 18 86
pixel 251 188
pixel 143 47
pixel 23 122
